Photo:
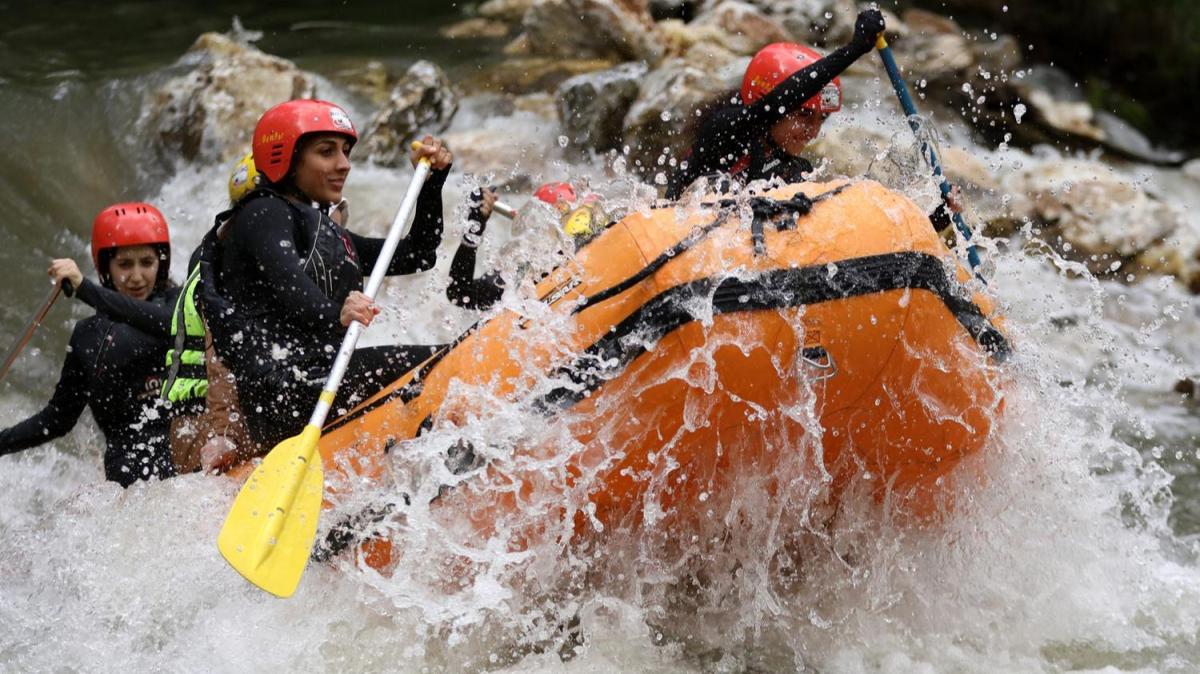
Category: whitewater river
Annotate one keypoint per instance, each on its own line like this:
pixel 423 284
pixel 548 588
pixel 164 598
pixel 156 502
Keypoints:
pixel 1079 555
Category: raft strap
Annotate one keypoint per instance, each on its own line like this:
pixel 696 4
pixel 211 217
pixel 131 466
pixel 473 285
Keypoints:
pixel 757 204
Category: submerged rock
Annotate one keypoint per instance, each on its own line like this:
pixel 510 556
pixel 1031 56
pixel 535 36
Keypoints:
pixel 209 113
pixel 423 101
pixel 602 29
pixel 592 107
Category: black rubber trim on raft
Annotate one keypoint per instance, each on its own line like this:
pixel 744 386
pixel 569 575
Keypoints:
pixel 774 289
pixel 798 206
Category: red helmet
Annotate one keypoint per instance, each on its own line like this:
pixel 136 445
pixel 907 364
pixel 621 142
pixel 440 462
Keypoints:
pixel 130 224
pixel 775 63
pixel 556 193
pixel 280 128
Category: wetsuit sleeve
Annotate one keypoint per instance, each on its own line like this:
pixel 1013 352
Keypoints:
pixel 265 231
pixel 730 132
pixel 152 318
pixel 465 290
pixel 59 415
pixel 417 251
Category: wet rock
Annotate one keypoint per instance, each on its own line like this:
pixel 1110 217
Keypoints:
pixel 423 101
pixel 921 22
pixel 510 11
pixel 1048 106
pixel 1178 257
pixel 1092 214
pixel 372 81
pixel 518 47
pixel 476 28
pixel 509 149
pixel 209 113
pixel 602 29
pixel 525 75
pixel 1123 139
pixel 679 38
pixel 934 49
pixel 716 58
pixel 817 22
pixel 592 107
pixel 748 27
pixel 1186 388
pixel 1192 169
pixel 657 123
pixel 997 58
pixel 1056 103
pixel 854 151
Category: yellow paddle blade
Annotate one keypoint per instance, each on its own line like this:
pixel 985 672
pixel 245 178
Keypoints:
pixel 268 534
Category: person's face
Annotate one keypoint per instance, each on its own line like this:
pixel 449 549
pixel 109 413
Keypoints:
pixel 322 167
pixel 134 271
pixel 794 132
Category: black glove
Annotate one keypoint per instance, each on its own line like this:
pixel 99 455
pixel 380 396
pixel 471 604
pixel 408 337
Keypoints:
pixel 867 28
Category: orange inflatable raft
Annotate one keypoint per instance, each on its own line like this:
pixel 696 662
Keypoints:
pixel 680 336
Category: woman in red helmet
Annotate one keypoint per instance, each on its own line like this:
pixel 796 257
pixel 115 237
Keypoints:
pixel 787 92
pixel 282 280
pixel 114 362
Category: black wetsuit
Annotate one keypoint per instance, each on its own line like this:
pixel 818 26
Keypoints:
pixel 115 366
pixel 465 290
pixel 273 286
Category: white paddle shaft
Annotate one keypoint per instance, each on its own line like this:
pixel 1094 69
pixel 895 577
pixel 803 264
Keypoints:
pixel 377 273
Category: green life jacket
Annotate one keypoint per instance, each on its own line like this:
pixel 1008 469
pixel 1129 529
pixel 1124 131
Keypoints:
pixel 187 376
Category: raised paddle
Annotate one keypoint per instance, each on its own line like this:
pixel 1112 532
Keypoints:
pixel 910 112
pixel 268 535
pixel 32 327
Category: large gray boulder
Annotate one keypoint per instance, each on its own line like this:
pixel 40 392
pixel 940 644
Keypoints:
pixel 592 107
pixel 1093 214
pixel 604 29
pixel 748 28
pixel 423 101
pixel 208 114
pixel 657 124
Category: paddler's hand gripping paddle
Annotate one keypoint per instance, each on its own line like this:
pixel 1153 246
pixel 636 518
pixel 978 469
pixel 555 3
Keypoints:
pixel 269 532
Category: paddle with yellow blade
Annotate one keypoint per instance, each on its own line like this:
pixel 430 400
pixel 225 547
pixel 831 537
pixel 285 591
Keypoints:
pixel 268 534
